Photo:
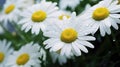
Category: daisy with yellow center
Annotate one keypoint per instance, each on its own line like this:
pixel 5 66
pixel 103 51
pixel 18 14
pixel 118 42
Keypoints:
pixel 63 15
pixel 5 51
pixel 36 17
pixel 69 39
pixel 11 11
pixel 102 16
pixel 27 56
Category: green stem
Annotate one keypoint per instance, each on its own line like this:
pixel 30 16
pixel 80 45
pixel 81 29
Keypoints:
pixel 19 32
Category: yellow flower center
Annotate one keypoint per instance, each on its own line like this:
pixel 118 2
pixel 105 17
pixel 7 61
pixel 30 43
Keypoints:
pixel 23 59
pixel 10 8
pixel 61 16
pixel 39 16
pixel 2 56
pixel 118 1
pixel 69 35
pixel 100 13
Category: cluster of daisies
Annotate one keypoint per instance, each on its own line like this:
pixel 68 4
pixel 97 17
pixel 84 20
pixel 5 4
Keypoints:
pixel 68 34
pixel 27 56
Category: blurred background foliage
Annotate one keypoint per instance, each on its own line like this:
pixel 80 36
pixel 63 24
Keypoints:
pixel 105 54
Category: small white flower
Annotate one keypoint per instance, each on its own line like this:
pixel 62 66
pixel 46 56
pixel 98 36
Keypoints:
pixel 38 16
pixel 62 14
pixel 102 16
pixel 68 3
pixel 57 57
pixel 5 51
pixel 11 11
pixel 70 38
pixel 27 56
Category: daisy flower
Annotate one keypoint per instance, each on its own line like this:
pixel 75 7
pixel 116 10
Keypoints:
pixel 5 51
pixel 57 57
pixel 27 56
pixel 63 4
pixel 11 11
pixel 71 38
pixel 63 13
pixel 102 16
pixel 38 16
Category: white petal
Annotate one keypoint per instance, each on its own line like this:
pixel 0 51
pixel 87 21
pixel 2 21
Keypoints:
pixel 81 47
pixel 50 43
pixel 25 25
pixel 114 24
pixel 117 21
pixel 23 21
pixel 107 22
pixel 68 50
pixel 115 15
pixel 107 29
pixel 63 50
pixel 62 59
pixel 54 56
pixel 85 43
pixel 42 27
pixel 57 46
pixel 76 50
pixel 34 29
pixel 107 3
pixel 28 28
pixel 95 27
pixel 115 9
pixel 102 31
pixel 90 38
pixel 52 34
